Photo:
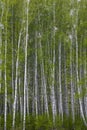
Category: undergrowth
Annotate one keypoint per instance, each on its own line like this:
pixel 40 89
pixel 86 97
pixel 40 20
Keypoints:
pixel 43 122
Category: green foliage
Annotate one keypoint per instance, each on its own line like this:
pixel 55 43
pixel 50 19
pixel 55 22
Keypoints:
pixel 79 125
pixel 43 123
pixel 9 121
pixel 1 122
pixel 58 123
pixel 30 122
pixel 41 20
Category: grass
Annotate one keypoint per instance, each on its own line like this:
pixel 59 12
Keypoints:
pixel 42 122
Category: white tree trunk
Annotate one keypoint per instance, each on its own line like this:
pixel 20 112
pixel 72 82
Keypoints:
pixel 77 69
pixel 44 87
pixel 12 58
pixel 0 58
pixel 36 82
pixel 20 98
pixel 1 28
pixel 85 75
pixel 60 86
pixel 5 108
pixel 71 83
pixel 78 86
pixel 27 98
pixel 16 81
pixel 5 111
pixel 25 68
pixel 66 104
pixel 53 100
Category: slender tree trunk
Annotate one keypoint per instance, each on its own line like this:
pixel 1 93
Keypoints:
pixel 53 100
pixel 20 98
pixel 27 98
pixel 36 82
pixel 52 87
pixel 43 80
pixel 12 57
pixel 79 87
pixel 66 104
pixel 85 75
pixel 1 28
pixel 5 111
pixel 60 86
pixel 25 68
pixel 71 83
pixel 28 94
pixel 0 58
pixel 16 83
pixel 0 55
pixel 77 69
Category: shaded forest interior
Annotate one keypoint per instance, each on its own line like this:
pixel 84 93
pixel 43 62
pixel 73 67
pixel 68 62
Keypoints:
pixel 43 65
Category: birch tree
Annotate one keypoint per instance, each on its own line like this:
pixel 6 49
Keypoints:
pixel 43 64
pixel 16 82
pixel 1 28
pixel 53 100
pixel 43 80
pixel 25 68
pixel 36 82
pixel 60 86
pixel 5 67
pixel 77 69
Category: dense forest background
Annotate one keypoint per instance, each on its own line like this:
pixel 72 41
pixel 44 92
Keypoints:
pixel 43 64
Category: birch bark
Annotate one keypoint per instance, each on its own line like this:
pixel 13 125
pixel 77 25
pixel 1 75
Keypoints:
pixel 77 69
pixel 5 67
pixel 1 28
pixel 71 82
pixel 5 112
pixel 16 82
pixel 53 100
pixel 65 86
pixel 43 80
pixel 60 86
pixel 85 76
pixel 36 82
pixel 25 68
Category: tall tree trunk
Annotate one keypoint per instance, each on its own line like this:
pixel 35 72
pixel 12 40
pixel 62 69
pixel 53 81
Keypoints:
pixel 36 82
pixel 53 100
pixel 25 68
pixel 79 87
pixel 0 58
pixel 20 98
pixel 16 82
pixel 71 81
pixel 43 80
pixel 12 56
pixel 60 86
pixel 1 28
pixel 85 76
pixel 5 108
pixel 27 98
pixel 77 69
pixel 66 104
